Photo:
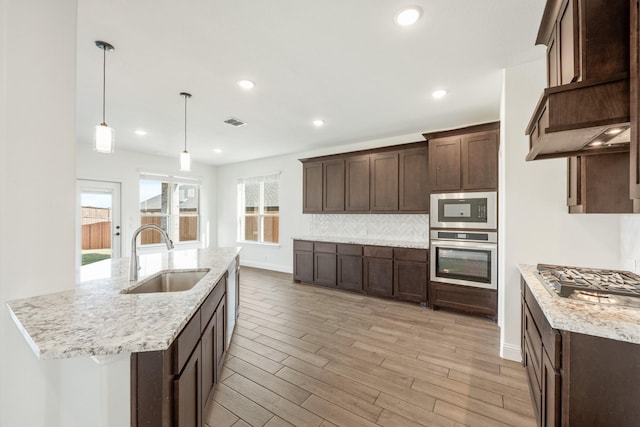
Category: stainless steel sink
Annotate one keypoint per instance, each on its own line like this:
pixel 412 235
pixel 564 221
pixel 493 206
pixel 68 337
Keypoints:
pixel 169 281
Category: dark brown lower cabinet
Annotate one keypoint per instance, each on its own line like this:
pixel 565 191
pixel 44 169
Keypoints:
pixel 303 261
pixel 237 287
pixel 378 270
pixel 171 387
pixel 410 274
pixel 464 298
pixel 577 379
pixel 399 273
pixel 350 267
pixel 187 392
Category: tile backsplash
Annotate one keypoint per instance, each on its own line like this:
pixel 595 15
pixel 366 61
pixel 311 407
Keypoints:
pixel 410 227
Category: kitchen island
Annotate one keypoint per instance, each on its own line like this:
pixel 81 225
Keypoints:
pixel 96 320
pixel 582 358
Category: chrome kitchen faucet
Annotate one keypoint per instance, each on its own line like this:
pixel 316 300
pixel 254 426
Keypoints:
pixel 134 262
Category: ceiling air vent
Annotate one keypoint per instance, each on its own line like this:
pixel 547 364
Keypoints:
pixel 234 122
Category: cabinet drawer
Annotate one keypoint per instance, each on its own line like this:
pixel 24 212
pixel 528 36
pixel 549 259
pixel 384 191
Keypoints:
pixel 209 305
pixel 186 342
pixel 550 337
pixel 534 345
pixel 302 245
pixel 344 249
pixel 410 254
pixel 329 248
pixel 378 251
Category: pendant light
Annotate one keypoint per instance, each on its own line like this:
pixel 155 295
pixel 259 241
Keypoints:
pixel 104 134
pixel 185 157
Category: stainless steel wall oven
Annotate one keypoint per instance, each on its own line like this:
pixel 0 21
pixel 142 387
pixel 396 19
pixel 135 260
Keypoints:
pixel 468 258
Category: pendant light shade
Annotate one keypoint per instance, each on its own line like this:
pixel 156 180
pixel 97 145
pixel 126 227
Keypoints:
pixel 104 137
pixel 185 157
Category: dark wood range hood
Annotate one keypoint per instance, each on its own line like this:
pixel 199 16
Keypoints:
pixel 585 108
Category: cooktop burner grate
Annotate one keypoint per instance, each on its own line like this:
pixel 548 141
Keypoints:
pixel 589 284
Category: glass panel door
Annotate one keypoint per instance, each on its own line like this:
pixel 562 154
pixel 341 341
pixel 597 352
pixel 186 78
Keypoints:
pixel 464 264
pixel 98 220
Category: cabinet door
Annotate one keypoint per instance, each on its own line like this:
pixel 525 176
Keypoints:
pixel 634 146
pixel 350 272
pixel 568 43
pixel 221 334
pixel 312 187
pixel 378 276
pixel 324 271
pixel 357 184
pixel 188 393
pixel 303 261
pixel 414 180
pixel 551 393
pixel 333 186
pixel 208 349
pixel 410 280
pixel 384 182
pixel 480 161
pixel 237 287
pixel 552 61
pixel 444 164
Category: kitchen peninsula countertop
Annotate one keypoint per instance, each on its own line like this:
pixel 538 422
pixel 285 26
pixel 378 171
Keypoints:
pixel 600 320
pixel 367 241
pixel 95 318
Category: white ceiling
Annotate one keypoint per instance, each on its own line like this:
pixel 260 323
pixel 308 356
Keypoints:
pixel 344 61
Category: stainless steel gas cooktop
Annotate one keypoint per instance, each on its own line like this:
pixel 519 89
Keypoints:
pixel 594 285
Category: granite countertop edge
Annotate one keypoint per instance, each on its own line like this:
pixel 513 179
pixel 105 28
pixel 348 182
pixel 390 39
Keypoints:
pixel 366 241
pixel 583 317
pixel 96 319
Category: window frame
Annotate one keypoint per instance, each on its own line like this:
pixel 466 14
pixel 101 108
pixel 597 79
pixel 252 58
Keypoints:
pixel 261 214
pixel 175 182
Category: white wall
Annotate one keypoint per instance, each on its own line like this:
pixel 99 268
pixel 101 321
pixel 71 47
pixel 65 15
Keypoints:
pixel 37 180
pixel 534 224
pixel 292 221
pixel 125 166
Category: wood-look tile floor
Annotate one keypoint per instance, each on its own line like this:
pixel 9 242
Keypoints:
pixel 308 356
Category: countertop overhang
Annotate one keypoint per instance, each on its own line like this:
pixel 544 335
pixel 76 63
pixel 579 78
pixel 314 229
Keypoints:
pixel 582 317
pixel 367 241
pixel 96 319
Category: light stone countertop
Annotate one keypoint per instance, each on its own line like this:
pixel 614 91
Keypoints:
pixel 600 320
pixel 367 241
pixel 96 319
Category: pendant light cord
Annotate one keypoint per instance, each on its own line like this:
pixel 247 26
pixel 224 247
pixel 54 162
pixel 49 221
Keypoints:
pixel 185 123
pixel 104 83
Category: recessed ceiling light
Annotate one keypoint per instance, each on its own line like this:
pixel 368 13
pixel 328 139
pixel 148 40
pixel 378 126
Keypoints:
pixel 318 123
pixel 217 150
pixel 440 93
pixel 141 132
pixel 614 131
pixel 408 16
pixel 596 143
pixel 246 84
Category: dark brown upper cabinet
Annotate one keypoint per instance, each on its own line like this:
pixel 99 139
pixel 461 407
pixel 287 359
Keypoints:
pixel 357 184
pixel 312 183
pixel 388 179
pixel 333 186
pixel 414 180
pixel 588 64
pixel 598 184
pixel 634 146
pixel 384 182
pixel 464 159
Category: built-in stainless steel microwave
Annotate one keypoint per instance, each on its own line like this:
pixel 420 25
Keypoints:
pixel 464 210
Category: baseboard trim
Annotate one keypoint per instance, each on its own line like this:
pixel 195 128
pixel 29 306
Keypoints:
pixel 266 266
pixel 511 352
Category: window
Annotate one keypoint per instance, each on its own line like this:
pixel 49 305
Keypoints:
pixel 172 203
pixel 259 209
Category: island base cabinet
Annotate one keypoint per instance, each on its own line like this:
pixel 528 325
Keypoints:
pixel 187 390
pixel 171 387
